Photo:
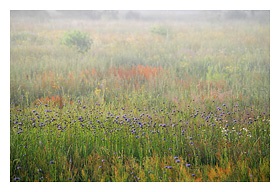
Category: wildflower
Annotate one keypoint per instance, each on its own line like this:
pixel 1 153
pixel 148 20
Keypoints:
pixel 188 165
pixel 97 91
pixel 193 174
pixel 52 162
pixel 16 179
pixel 168 167
pixel 177 161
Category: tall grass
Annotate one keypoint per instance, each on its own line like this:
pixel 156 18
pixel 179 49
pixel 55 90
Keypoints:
pixel 140 106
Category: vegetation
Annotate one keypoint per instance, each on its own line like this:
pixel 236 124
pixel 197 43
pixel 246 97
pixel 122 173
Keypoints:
pixel 173 101
pixel 77 39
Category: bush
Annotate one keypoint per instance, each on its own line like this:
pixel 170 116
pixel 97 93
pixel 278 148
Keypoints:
pixel 81 41
pixel 160 30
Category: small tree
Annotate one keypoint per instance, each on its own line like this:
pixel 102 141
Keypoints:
pixel 77 39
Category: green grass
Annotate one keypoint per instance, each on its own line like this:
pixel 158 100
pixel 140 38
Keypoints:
pixel 138 101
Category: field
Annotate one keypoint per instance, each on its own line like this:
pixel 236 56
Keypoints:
pixel 150 101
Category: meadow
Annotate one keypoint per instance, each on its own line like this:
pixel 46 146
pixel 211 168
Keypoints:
pixel 150 101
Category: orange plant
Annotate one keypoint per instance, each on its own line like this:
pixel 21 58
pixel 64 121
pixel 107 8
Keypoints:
pixel 53 100
pixel 46 78
pixel 87 73
pixel 148 71
pixel 140 70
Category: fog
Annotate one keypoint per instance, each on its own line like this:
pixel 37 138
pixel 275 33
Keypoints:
pixel 191 15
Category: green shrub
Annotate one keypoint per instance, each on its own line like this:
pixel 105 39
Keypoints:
pixel 80 40
pixel 160 30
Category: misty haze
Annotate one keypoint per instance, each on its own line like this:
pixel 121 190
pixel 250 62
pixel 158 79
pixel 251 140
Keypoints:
pixel 139 96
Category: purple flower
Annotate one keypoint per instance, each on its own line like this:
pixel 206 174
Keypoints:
pixel 16 179
pixel 177 161
pixel 188 165
pixel 193 174
pixel 168 167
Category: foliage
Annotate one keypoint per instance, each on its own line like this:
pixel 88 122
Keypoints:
pixel 77 39
pixel 160 30
pixel 193 108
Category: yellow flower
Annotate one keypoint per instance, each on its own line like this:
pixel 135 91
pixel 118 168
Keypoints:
pixel 97 91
